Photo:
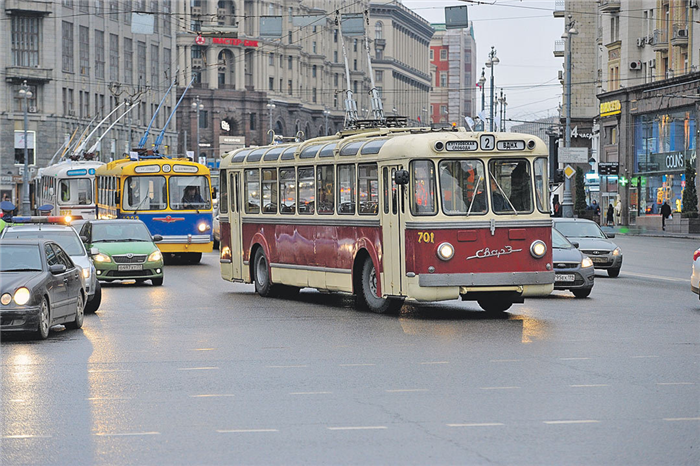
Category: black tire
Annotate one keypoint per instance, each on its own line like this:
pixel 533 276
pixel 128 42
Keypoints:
pixel 495 305
pixel 42 331
pixel 261 271
pixel 216 244
pixel 613 273
pixel 157 281
pixel 79 314
pixel 193 257
pixel 367 293
pixel 94 304
pixel 582 293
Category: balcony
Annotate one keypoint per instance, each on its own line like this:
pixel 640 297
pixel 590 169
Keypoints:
pixel 610 6
pixel 559 48
pixel 44 7
pixel 559 8
pixel 680 35
pixel 32 74
pixel 659 40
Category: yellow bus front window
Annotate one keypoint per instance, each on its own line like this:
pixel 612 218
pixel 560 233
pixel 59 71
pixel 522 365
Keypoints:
pixel 189 193
pixel 144 193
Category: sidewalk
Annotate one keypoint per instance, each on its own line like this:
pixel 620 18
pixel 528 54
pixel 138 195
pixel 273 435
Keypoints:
pixel 641 231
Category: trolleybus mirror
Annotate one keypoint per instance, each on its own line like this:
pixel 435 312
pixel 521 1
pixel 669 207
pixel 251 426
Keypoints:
pixel 401 177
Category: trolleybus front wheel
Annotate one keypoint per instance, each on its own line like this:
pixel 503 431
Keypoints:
pixel 263 286
pixel 495 305
pixel 368 292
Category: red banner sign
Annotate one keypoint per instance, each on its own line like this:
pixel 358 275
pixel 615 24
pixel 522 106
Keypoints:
pixel 199 40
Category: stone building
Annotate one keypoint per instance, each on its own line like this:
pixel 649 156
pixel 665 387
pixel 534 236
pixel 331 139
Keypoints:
pixel 80 60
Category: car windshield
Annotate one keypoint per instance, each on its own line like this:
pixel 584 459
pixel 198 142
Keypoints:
pixel 20 258
pixel 67 239
pixel 119 231
pixel 559 242
pixel 579 230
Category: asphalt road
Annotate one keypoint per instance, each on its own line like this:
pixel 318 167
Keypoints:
pixel 202 371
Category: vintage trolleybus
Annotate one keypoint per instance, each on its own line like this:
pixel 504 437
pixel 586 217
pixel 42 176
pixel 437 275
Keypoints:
pixel 69 187
pixel 171 196
pixel 391 214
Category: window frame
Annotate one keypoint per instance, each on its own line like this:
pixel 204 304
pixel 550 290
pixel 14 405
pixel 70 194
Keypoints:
pixel 436 206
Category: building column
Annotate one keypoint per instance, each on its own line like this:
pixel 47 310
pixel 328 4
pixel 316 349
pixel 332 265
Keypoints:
pixel 212 70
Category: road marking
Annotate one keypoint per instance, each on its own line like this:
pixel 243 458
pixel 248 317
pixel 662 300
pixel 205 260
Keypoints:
pixel 311 393
pixel 658 277
pixel 505 360
pixel 210 395
pixel 673 419
pixel 436 362
pixel 355 365
pixel 590 385
pixel 204 349
pixel 286 367
pixel 94 371
pixel 125 434
pixel 20 436
pixel 573 359
pixel 583 421
pixel 401 390
pixel 242 431
pixel 499 388
pixel 643 357
pixel 358 428
pixel 476 424
pixel 675 383
pixel 108 398
pixel 211 368
pixel 17 401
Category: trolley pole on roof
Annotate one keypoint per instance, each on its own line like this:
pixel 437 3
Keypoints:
pixel 377 109
pixel 350 104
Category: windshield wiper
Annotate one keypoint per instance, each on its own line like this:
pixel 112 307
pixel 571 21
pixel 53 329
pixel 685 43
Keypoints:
pixel 105 240
pixel 503 193
pixel 133 239
pixel 21 270
pixel 476 188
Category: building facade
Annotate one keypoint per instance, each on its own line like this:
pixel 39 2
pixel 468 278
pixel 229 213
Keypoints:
pixel 80 60
pixel 248 84
pixel 453 75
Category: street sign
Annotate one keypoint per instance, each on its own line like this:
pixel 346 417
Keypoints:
pixel 569 171
pixel 608 168
pixel 573 155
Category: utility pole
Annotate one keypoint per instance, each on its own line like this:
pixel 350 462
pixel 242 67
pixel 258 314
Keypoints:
pixel 567 205
pixel 26 94
pixel 197 106
pixel 270 108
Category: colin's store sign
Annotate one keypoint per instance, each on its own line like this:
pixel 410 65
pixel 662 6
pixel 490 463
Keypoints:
pixel 610 108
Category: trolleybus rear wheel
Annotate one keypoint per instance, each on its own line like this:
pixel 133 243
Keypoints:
pixel 368 292
pixel 263 286
pixel 495 305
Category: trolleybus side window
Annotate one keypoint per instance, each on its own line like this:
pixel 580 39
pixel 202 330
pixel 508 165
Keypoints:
pixel 223 198
pixel 368 188
pixel 423 188
pixel 326 189
pixel 252 191
pixel 462 187
pixel 385 188
pixel 269 190
pixel 189 192
pixel 288 190
pixel 307 190
pixel 346 189
pixel 511 186
pixel 235 193
pixel 144 193
pixel 541 185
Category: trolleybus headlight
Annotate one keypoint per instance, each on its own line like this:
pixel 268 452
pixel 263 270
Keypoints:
pixel 538 249
pixel 445 251
pixel 202 227
pixel 101 258
pixel 586 262
pixel 5 299
pixel 22 296
pixel 155 256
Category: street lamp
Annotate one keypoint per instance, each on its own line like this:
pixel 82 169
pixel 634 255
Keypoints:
pixel 197 106
pixel 424 111
pixel 502 101
pixel 482 83
pixel 271 107
pixel 25 94
pixel 491 63
pixel 325 115
pixel 567 205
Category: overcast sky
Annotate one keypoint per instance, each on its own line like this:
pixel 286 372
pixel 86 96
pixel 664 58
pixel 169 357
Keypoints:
pixel 523 32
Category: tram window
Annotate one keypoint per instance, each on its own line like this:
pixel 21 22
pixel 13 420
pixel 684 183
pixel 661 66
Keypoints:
pixel 462 187
pixel 510 186
pixel 223 199
pixel 368 188
pixel 252 191
pixel 423 188
pixel 541 185
pixel 351 149
pixel 288 190
pixel 144 193
pixel 189 192
pixel 75 191
pixel 346 189
pixel 307 190
pixel 325 186
pixel 386 189
pixel 373 147
pixel 269 190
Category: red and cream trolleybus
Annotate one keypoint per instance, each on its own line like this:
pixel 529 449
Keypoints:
pixel 391 214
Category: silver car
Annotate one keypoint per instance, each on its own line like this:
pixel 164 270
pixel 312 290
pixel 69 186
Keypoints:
pixel 572 270
pixel 593 242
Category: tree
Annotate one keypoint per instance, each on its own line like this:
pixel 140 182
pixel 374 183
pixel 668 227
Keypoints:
pixel 690 193
pixel 580 204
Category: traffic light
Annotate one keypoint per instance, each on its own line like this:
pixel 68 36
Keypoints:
pixel 559 175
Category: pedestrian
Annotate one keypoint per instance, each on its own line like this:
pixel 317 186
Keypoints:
pixel 595 207
pixel 665 214
pixel 609 215
pixel 557 208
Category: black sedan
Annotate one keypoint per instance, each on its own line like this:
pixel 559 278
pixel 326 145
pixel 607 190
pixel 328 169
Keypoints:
pixel 40 286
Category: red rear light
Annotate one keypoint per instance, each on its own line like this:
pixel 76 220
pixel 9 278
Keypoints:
pixel 696 255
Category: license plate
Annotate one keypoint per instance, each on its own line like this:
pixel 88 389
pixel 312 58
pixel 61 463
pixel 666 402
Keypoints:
pixel 564 277
pixel 123 268
pixel 599 260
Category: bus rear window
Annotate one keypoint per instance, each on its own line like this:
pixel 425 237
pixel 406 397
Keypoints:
pixel 75 191
pixel 423 188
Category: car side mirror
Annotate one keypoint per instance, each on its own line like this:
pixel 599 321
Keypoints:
pixel 94 251
pixel 610 235
pixel 575 244
pixel 57 269
pixel 157 238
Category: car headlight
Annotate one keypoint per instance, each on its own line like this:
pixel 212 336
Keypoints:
pixel 86 273
pixel 538 249
pixel 202 227
pixel 586 262
pixel 155 256
pixel 5 299
pixel 22 296
pixel 617 252
pixel 445 251
pixel 101 258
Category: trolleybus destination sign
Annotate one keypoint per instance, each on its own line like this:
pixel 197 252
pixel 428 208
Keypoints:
pixel 460 146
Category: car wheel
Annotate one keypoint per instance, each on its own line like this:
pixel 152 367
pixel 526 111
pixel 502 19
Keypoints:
pixel 157 281
pixel 495 305
pixel 94 304
pixel 79 314
pixel 42 331
pixel 583 293
pixel 368 298
pixel 263 285
pixel 613 273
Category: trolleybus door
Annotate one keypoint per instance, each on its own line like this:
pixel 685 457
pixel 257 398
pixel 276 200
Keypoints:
pixel 236 227
pixel 392 255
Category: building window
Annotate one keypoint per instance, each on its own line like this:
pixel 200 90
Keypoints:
pixel 379 76
pixel 203 118
pixel 25 41
pixel 99 54
pixel 83 6
pixel 354 45
pixel 313 71
pixel 114 57
pixel 128 61
pixel 156 16
pixel 379 55
pixel 432 54
pixel 290 14
pixel 141 59
pixel 313 47
pixel 443 54
pixel 271 59
pixel 443 79
pixel 127 12
pixel 289 37
pixel 253 121
pixel 155 72
pixel 354 64
pixel 379 30
pixel 84 45
pixel 167 24
pixel 68 3
pixel 289 87
pixel 113 10
pixel 335 79
pixel 271 84
pixel 289 62
pixel 335 36
pixel 99 7
pixel 313 95
pixel 335 56
pixel 67 48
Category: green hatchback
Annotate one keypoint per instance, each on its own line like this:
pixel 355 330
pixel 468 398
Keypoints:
pixel 123 250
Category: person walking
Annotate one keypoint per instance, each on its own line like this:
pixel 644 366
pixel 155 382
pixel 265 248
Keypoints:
pixel 609 215
pixel 665 214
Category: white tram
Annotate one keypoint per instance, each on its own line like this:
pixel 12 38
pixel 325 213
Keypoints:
pixel 69 187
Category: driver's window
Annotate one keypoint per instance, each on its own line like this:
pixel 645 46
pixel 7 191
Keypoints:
pixel 51 258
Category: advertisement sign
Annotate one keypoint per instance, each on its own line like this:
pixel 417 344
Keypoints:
pixel 573 155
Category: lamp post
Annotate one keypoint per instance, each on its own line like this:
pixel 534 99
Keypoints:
pixel 271 107
pixel 502 111
pixel 424 111
pixel 197 106
pixel 482 83
pixel 567 205
pixel 325 115
pixel 491 63
pixel 505 106
pixel 25 94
